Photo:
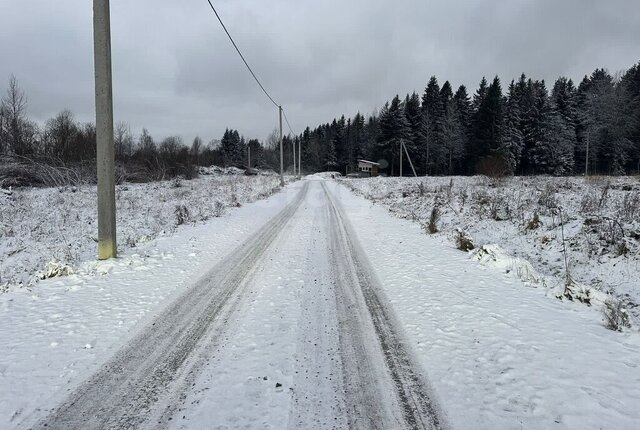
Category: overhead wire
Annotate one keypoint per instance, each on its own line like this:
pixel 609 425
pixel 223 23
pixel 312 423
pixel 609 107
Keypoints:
pixel 242 56
pixel 288 124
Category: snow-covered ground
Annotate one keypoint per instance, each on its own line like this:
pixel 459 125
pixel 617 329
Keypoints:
pixel 498 355
pixel 49 231
pixel 598 217
pixel 56 334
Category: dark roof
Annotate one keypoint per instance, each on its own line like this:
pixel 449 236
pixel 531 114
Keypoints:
pixel 369 162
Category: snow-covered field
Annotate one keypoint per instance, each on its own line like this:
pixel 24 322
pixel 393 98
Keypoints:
pixel 518 224
pixel 51 231
pixel 498 355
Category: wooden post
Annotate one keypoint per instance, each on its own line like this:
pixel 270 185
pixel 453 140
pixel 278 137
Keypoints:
pixel 105 153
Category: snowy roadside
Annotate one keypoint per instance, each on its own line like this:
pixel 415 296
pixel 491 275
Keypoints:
pixel 498 355
pixel 47 232
pixel 57 334
pixel 517 225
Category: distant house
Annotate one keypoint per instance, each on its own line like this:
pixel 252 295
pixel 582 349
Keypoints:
pixel 368 168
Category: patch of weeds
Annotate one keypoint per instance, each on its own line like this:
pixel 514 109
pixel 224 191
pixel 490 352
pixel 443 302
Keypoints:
pixel 182 214
pixel 535 222
pixel 547 198
pixel 604 195
pixel 421 189
pixel 615 315
pixel 432 226
pixel 218 209
pixel 464 242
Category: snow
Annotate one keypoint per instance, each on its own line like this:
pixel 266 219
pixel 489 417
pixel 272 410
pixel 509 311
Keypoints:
pixel 54 230
pixel 249 381
pixel 498 355
pixel 600 223
pixel 57 333
pixel 498 348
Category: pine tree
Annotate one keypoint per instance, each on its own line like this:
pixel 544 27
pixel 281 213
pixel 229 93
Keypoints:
pixel 487 144
pixel 358 137
pixel 230 148
pixel 630 88
pixel 332 159
pixel 414 118
pixel 464 112
pixel 452 132
pixel 433 117
pixel 512 139
pixel 394 129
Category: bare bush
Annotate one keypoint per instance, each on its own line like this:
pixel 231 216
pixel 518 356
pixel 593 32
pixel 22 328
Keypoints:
pixel 604 195
pixel 535 222
pixel 629 207
pixel 218 209
pixel 421 189
pixel 432 226
pixel 547 198
pixel 615 315
pixel 589 203
pixel 18 171
pixel 464 242
pixel 182 214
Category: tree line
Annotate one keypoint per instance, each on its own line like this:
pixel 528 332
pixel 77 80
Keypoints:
pixel 526 129
pixel 593 127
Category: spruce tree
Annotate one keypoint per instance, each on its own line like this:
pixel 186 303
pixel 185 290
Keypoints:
pixel 433 117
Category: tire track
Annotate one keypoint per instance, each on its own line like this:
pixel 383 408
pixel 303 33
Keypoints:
pixel 124 392
pixel 371 339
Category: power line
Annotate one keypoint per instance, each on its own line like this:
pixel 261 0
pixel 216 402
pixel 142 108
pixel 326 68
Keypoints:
pixel 288 124
pixel 242 56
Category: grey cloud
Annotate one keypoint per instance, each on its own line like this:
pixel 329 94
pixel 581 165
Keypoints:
pixel 176 73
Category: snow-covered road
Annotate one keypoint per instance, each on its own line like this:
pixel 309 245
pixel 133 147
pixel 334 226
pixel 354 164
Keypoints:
pixel 148 380
pixel 312 310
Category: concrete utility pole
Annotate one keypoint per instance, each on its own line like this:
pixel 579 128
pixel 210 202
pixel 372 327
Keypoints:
pixel 409 158
pixel 299 158
pixel 401 159
pixel 586 160
pixel 104 131
pixel 293 147
pixel 281 151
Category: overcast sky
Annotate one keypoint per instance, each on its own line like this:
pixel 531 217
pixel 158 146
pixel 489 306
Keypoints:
pixel 176 73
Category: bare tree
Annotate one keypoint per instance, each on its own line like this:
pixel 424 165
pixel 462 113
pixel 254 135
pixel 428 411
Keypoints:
pixel 123 140
pixel 60 134
pixel 196 147
pixel 13 107
pixel 170 146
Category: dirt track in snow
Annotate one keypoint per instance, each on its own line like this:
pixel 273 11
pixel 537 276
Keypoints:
pixel 377 384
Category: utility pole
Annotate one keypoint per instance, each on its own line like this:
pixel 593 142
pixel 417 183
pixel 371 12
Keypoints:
pixel 299 158
pixel 401 158
pixel 586 161
pixel 409 158
pixel 293 147
pixel 281 151
pixel 104 131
